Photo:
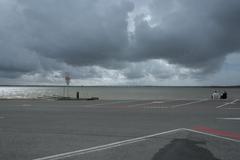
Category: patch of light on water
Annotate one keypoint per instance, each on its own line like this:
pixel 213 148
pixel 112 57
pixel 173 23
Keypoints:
pixel 28 92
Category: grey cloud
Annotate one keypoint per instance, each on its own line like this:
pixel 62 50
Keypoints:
pixel 78 36
pixel 20 61
pixel 78 32
pixel 193 34
pixel 157 69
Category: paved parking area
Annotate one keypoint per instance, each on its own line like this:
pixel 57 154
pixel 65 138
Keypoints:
pixel 127 129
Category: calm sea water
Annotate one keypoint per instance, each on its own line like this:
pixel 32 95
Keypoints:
pixel 115 93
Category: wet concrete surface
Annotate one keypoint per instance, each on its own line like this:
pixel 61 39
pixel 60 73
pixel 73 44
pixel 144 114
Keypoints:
pixel 32 129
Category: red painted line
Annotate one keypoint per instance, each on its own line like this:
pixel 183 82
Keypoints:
pixel 228 134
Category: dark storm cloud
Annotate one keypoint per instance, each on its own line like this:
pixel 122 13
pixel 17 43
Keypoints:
pixel 48 35
pixel 78 32
pixel 195 34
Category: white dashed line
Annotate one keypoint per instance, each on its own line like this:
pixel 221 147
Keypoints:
pixel 212 135
pixel 158 102
pixel 156 107
pixel 139 104
pixel 185 104
pixel 102 104
pixel 229 118
pixel 26 105
pixel 175 106
pixel 225 104
pixel 231 108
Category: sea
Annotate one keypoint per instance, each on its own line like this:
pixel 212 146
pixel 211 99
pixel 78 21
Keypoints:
pixel 115 92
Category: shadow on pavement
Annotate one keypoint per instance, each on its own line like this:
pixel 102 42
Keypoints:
pixel 184 149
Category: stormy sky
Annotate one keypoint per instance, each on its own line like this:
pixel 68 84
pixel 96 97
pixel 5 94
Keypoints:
pixel 122 42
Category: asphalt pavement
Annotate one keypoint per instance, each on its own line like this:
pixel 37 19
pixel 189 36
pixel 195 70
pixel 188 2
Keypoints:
pixel 120 129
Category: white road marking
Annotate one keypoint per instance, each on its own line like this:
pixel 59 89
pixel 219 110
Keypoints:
pixel 26 105
pixel 225 104
pixel 139 104
pixel 231 108
pixel 126 142
pixel 102 104
pixel 149 103
pixel 104 147
pixel 212 135
pixel 185 104
pixel 229 118
pixel 155 107
pixel 121 102
pixel 128 106
pixel 158 102
pixel 233 102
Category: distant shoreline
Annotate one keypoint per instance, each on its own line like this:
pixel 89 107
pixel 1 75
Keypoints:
pixel 231 86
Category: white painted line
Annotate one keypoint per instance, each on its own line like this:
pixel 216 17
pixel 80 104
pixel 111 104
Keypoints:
pixel 231 108
pixel 102 104
pixel 155 107
pixel 229 118
pixel 212 135
pixel 121 102
pixel 225 104
pixel 158 102
pixel 104 147
pixel 233 102
pixel 149 103
pixel 26 105
pixel 185 104
pixel 125 142
pixel 139 104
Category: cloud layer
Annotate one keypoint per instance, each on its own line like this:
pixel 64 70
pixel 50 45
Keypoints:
pixel 123 40
pixel 192 34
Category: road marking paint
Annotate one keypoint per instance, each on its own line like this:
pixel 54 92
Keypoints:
pixel 233 102
pixel 219 133
pixel 102 104
pixel 231 108
pixel 149 103
pixel 155 107
pixel 126 106
pixel 225 104
pixel 106 146
pixel 139 104
pixel 185 104
pixel 229 118
pixel 212 135
pixel 158 102
pixel 139 139
pixel 26 105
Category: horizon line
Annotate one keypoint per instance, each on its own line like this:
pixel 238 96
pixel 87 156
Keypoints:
pixel 46 85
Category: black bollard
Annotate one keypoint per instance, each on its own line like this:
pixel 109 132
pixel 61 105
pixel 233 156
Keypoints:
pixel 77 95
